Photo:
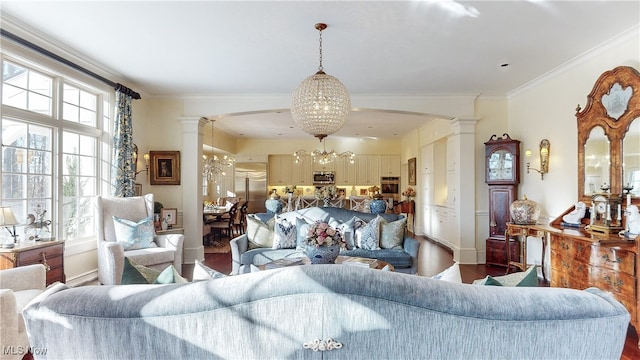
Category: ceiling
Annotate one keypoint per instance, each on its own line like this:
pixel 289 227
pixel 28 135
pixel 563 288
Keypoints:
pixel 388 48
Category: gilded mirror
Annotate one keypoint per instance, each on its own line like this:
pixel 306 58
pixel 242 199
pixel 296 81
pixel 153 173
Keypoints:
pixel 596 161
pixel 631 159
pixel 609 135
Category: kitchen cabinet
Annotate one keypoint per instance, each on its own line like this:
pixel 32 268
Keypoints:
pixel 390 165
pixel 368 170
pixel 301 173
pixel 280 170
pixel 345 172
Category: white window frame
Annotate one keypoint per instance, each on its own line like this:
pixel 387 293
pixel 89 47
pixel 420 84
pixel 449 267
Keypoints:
pixel 102 131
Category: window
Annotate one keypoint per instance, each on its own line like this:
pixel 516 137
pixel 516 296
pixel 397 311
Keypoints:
pixel 26 89
pixel 55 148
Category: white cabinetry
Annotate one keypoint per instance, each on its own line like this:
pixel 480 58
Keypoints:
pixel 389 165
pixel 368 170
pixel 279 170
pixel 345 172
pixel 300 172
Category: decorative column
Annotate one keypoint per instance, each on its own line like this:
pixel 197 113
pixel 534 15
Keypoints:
pixel 190 164
pixel 463 223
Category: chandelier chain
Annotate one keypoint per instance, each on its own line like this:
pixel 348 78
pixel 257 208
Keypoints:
pixel 320 68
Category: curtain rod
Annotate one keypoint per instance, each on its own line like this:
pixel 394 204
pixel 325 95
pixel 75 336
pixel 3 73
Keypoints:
pixel 43 51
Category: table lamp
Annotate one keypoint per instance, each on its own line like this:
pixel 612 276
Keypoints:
pixel 7 218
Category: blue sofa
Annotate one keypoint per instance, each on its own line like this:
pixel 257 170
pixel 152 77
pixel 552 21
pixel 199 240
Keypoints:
pixel 403 260
pixel 287 313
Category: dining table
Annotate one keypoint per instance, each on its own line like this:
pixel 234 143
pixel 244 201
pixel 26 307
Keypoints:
pixel 214 214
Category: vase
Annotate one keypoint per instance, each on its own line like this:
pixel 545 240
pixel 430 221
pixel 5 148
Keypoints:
pixel 273 205
pixel 525 211
pixel 378 206
pixel 322 254
pixel 326 202
pixel 289 202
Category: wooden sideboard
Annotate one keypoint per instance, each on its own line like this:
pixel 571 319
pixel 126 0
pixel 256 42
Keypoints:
pixel 582 259
pixel 48 253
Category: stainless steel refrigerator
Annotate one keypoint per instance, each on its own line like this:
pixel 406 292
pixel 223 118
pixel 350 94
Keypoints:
pixel 251 184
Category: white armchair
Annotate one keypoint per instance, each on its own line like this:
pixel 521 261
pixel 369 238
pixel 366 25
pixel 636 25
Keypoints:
pixel 18 286
pixel 111 255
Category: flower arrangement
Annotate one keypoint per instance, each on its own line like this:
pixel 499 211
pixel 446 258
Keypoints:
pixel 410 192
pixel 209 205
pixel 326 192
pixel 322 234
pixel 374 189
pixel 289 189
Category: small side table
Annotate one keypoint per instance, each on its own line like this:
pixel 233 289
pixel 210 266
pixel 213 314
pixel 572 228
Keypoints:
pixel 521 232
pixel 409 208
pixel 49 253
pixel 175 230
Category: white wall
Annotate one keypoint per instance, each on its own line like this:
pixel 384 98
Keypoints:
pixel 546 109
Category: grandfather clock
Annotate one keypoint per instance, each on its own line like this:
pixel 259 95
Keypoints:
pixel 502 166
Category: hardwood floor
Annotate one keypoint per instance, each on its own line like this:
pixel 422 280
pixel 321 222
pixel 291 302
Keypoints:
pixel 433 258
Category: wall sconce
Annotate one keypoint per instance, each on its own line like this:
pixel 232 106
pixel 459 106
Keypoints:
pixel 135 160
pixel 146 164
pixel 545 147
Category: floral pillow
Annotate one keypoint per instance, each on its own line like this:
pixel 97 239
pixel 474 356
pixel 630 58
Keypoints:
pixel 348 230
pixel 284 234
pixel 368 236
pixel 134 235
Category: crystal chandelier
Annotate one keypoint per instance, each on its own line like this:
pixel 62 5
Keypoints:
pixel 323 157
pixel 320 104
pixel 215 166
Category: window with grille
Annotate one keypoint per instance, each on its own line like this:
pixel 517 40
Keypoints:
pixel 55 149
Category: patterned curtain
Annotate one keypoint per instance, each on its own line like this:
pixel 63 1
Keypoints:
pixel 123 168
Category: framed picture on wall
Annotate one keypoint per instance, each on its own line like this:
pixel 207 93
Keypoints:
pixel 164 167
pixel 412 171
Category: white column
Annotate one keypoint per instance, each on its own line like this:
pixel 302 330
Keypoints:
pixel 463 226
pixel 191 168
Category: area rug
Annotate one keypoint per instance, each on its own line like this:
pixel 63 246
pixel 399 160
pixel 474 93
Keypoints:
pixel 219 248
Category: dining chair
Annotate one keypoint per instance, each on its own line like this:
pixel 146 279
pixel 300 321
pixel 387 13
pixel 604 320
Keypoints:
pixel 225 226
pixel 241 219
pixel 359 203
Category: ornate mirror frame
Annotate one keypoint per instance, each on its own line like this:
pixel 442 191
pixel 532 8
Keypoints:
pixel 613 104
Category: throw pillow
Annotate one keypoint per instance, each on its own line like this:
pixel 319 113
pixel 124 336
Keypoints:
pixel 392 233
pixel 203 272
pixel 368 236
pixel 528 278
pixel 170 276
pixel 284 234
pixel 134 273
pixel 259 234
pixel 451 274
pixel 302 228
pixel 134 235
pixel 131 275
pixel 349 228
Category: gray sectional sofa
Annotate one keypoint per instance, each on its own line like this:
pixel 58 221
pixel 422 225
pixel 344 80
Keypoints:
pixel 287 313
pixel 404 258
